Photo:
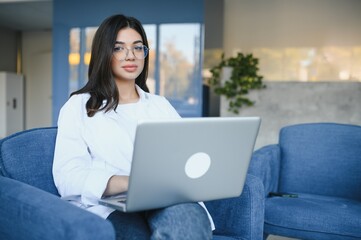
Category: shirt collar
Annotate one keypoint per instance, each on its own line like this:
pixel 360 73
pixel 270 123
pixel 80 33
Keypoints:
pixel 142 95
pixel 143 98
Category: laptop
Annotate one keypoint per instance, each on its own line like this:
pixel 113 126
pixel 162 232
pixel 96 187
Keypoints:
pixel 187 160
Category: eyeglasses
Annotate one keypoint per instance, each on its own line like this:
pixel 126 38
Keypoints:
pixel 121 53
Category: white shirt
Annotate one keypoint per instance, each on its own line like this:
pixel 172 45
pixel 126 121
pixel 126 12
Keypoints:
pixel 89 150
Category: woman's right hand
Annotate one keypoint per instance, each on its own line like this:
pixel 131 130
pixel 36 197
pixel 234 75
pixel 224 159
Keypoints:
pixel 116 184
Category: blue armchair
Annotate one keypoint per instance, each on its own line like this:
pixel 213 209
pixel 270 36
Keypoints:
pixel 315 174
pixel 31 208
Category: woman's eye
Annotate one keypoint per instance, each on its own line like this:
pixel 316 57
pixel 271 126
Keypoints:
pixel 118 49
pixel 138 48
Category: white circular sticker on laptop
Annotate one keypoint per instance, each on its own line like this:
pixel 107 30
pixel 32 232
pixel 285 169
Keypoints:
pixel 197 165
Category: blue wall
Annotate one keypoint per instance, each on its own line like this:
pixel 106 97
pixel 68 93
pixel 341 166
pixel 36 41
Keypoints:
pixel 68 14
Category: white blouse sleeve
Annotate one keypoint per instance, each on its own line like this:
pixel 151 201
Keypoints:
pixel 73 170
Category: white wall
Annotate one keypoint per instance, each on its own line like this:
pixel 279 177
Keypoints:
pixel 291 23
pixel 287 103
pixel 37 69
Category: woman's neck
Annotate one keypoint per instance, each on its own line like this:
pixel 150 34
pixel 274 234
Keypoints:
pixel 127 92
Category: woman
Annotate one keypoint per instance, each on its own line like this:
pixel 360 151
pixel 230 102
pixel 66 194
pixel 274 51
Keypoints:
pixel 96 129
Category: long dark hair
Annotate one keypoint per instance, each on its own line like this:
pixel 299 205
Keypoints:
pixel 101 84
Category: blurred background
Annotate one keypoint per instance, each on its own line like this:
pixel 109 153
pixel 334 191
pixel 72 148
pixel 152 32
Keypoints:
pixel 309 56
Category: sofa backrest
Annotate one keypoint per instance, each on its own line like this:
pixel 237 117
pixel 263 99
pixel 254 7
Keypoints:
pixel 321 158
pixel 27 156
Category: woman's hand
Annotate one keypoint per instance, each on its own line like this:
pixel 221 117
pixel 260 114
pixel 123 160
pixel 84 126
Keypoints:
pixel 116 184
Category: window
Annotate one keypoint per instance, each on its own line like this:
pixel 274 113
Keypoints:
pixel 151 31
pixel 74 59
pixel 180 64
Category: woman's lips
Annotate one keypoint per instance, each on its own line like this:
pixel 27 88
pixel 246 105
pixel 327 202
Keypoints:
pixel 130 68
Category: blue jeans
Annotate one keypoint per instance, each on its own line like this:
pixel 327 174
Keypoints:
pixel 182 221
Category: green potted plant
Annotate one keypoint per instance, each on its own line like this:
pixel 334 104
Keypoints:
pixel 243 78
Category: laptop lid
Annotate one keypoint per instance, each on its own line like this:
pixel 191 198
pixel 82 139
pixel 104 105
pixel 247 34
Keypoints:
pixel 189 160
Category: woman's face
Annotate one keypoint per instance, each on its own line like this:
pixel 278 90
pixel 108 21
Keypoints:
pixel 126 65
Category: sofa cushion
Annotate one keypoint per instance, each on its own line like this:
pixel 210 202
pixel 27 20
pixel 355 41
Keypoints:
pixel 316 214
pixel 28 157
pixel 323 159
pixel 29 213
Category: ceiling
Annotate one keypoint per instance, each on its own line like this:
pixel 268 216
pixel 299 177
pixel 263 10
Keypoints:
pixel 26 15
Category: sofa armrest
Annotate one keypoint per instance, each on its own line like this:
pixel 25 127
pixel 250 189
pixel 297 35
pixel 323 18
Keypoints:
pixel 29 213
pixel 240 217
pixel 265 164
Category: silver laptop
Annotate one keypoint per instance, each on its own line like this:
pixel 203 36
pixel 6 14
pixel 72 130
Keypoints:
pixel 187 160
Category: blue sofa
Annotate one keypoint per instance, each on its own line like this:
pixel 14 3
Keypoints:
pixel 31 208
pixel 314 173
